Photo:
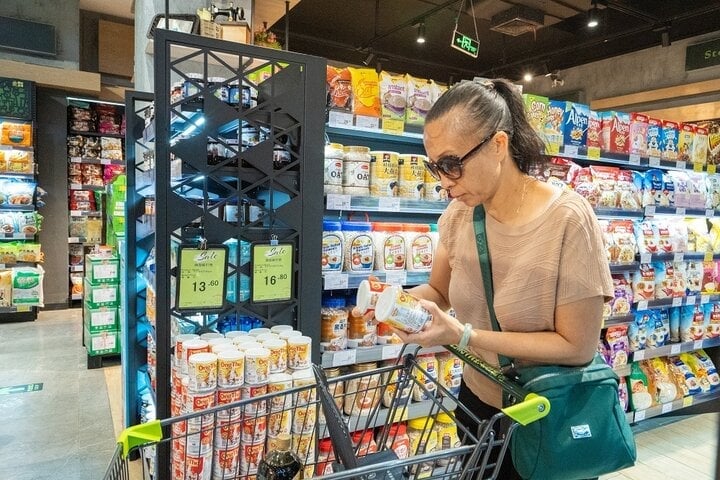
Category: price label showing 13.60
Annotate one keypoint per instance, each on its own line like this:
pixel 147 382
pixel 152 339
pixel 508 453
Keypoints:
pixel 272 267
pixel 201 278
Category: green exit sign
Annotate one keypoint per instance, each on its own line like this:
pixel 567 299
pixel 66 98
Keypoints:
pixel 465 44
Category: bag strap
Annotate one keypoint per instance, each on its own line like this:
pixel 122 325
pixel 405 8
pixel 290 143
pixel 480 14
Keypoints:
pixel 486 271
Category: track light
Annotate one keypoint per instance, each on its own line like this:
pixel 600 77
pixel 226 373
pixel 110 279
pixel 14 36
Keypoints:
pixel 528 77
pixel 421 33
pixel 369 59
pixel 593 16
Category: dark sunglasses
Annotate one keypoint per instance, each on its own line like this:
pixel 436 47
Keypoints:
pixel 451 166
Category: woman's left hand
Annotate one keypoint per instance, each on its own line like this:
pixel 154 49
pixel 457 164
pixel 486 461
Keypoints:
pixel 442 329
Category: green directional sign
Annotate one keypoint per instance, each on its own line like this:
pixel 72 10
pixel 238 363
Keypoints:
pixel 28 387
pixel 465 44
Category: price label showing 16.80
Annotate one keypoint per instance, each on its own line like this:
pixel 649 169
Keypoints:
pixel 272 267
pixel 201 278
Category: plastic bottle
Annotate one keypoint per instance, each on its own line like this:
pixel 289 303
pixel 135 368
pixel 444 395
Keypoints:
pixel 364 443
pixel 280 464
pixel 423 439
pixel 419 246
pixel 398 440
pixel 332 246
pixel 359 247
pixel 389 246
pixel 333 324
pixel 447 435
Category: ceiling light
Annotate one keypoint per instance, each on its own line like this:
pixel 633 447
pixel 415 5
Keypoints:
pixel 528 77
pixel 421 33
pixel 369 59
pixel 593 16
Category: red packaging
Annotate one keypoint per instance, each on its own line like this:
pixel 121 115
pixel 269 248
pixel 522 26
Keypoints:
pixel 615 132
pixel 594 132
pixel 638 133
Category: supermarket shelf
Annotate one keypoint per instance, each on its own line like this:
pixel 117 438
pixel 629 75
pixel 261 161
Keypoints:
pixel 20 309
pixel 602 212
pixel 664 408
pixel 17 264
pixel 335 201
pixel 95 134
pixel 344 280
pixel 27 176
pixel 83 213
pixel 96 161
pixel 673 349
pixel 17 147
pixel 652 210
pixel 375 134
pixel 370 354
pixel 80 240
pixel 624 267
pixel 618 320
pixel 78 186
pixel 16 208
pixel 76 268
pixel 16 236
pixel 76 296
pixel 413 410
pixel 675 302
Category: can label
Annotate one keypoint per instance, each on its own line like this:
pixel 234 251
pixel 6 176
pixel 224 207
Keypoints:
pixel 332 252
pixel 362 253
pixel 420 250
pixel 254 429
pixel 384 174
pixel 257 369
pixel 278 358
pixel 333 171
pixel 250 457
pixel 434 190
pixel 393 253
pixel 229 396
pixel 280 402
pixel 202 372
pixel 228 432
pixel 226 462
pixel 356 174
pixel 304 447
pixel 298 355
pixel 451 370
pixel 198 467
pixel 279 422
pixel 252 391
pixel 425 378
pixel 406 313
pixel 412 176
pixel 230 372
pixel 304 419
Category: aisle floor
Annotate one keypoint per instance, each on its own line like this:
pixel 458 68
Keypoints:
pixel 67 429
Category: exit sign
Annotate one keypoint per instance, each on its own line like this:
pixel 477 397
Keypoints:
pixel 465 44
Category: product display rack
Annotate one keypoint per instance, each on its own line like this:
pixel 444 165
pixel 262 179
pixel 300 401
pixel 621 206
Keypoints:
pixel 17 105
pixel 189 194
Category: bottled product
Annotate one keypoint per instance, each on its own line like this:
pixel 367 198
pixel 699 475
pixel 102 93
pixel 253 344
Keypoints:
pixel 362 394
pixel 280 464
pixel 426 377
pixel 361 332
pixel 450 371
pixel 398 440
pixel 389 246
pixel 333 324
pixel 356 170
pixel 400 309
pixel 419 247
pixel 399 388
pixel 384 174
pixel 423 439
pixel 332 246
pixel 364 443
pixel 332 181
pixel 326 455
pixel 447 435
pixel 359 246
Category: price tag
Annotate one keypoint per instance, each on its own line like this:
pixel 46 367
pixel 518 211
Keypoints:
pixel 677 302
pixel 401 415
pixel 634 159
pixel 680 211
pixel 593 153
pixel 370 123
pixel 697 167
pixel 391 351
pixel 394 127
pixel 272 272
pixel 667 407
pixel 201 278
pixel 650 210
pixel 640 415
pixel 75 213
pixel 23 308
pixel 398 277
pixel 75 159
pixel 708 257
pixel 552 149
pixel 680 165
pixel 571 150
pixel 654 161
pixel 642 305
pixel 679 257
pixel 336 201
pixel 687 401
pixel 697 344
pixel 105 161
pixel 675 349
pixel 712 169
pixel 645 258
pixel 709 212
pixel 639 355
pixel 704 299
pixel 340 119
pixel 336 281
pixel 690 300
pixel 389 204
pixel 344 357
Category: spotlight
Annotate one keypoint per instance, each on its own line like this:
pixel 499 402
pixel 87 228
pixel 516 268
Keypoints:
pixel 369 59
pixel 421 33
pixel 593 16
pixel 528 77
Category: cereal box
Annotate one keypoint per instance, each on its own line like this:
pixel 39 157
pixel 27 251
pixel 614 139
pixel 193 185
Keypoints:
pixel 654 137
pixel 554 122
pixel 615 132
pixel 700 145
pixel 575 124
pixel 686 137
pixel 669 140
pixel 594 130
pixel 638 133
pixel 536 108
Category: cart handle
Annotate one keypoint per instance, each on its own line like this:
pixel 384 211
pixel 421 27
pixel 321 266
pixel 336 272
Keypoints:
pixel 144 433
pixel 532 407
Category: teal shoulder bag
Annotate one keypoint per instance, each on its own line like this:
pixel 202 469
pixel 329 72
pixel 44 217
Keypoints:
pixel 586 432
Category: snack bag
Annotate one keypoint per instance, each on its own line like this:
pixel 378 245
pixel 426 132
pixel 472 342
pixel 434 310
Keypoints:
pixel 620 305
pixel 339 86
pixel 664 279
pixel 554 122
pixel 16 134
pixel 698 370
pixel 27 286
pixel 709 280
pixel 615 132
pixel 697 190
pixel 628 187
pixel 584 186
pixel 712 185
pixel 678 235
pixel 699 361
pixel 700 145
pixel 712 320
pixel 681 187
pixel 623 394
pixel 674 314
pixel 652 187
pixel 666 390
pixel 19 161
pixel 419 99
pixel 366 92
pixel 690 380
pixel 669 140
pixel 693 277
pixel 654 137
pixel 679 284
pixel 638 330
pixel 686 138
pixel 8 253
pixel 5 288
pixel 604 351
pixel 647 238
pixel 692 323
pixel 606 178
pixel 638 386
pixel 575 124
pixel 638 133
pixel 667 197
pixel 644 283
pixel 617 340
pixel 29 252
pixel 665 238
pixel 713 142
pixel 393 96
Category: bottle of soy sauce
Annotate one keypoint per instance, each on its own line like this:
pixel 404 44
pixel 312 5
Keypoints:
pixel 280 464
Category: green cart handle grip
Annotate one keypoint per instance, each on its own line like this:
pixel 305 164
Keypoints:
pixel 532 408
pixel 142 434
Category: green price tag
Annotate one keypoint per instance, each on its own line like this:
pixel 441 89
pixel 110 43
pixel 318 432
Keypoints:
pixel 272 272
pixel 201 278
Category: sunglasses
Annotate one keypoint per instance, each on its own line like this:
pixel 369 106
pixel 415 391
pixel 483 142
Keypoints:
pixel 451 166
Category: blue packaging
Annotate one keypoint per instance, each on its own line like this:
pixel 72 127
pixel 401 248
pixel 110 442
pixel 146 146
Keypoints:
pixel 575 124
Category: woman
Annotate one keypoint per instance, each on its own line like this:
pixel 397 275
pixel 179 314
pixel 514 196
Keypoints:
pixel 550 274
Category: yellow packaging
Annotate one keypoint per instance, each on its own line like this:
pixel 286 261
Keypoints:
pixel 686 137
pixel 433 188
pixel 450 372
pixel 16 134
pixel 412 175
pixel 384 168
pixel 366 91
pixel 17 161
pixel 426 378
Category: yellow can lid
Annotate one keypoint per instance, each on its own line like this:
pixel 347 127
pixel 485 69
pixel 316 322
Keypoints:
pixel 422 423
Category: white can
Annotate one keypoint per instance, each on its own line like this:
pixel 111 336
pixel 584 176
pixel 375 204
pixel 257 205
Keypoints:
pixel 179 340
pixel 298 350
pixel 280 328
pixel 231 368
pixel 368 293
pixel 221 347
pixel 198 467
pixel 191 347
pixel 219 341
pixel 232 335
pixel 227 432
pixel 304 378
pixel 225 462
pixel 278 355
pixel 267 336
pixel 254 428
pixel 228 396
pixel 257 365
pixel 255 332
pixel 252 391
pixel 211 335
pixel 279 423
pixel 277 383
pixel 401 310
pixel 202 372
pixel 290 333
pixel 356 168
pixel 303 421
pixel 250 457
pixel 247 344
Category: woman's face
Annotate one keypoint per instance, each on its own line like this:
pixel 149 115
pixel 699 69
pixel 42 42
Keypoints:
pixel 480 170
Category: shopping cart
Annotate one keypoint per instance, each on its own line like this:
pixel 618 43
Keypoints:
pixel 356 412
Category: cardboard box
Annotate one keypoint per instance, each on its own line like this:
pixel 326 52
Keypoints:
pixel 101 269
pixel 575 124
pixel 615 132
pixel 102 343
pixel 102 295
pixel 554 122
pixel 536 108
pixel 594 131
pixel 210 29
pixel 686 139
pixel 654 137
pixel 98 319
pixel 236 32
pixel 670 140
pixel 638 133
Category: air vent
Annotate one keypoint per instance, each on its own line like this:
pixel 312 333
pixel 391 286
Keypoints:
pixel 517 20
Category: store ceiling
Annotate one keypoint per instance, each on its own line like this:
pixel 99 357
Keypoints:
pixel 387 28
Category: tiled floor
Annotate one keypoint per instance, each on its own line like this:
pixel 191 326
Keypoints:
pixel 67 430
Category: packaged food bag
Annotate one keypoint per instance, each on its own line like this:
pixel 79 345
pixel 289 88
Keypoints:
pixel 617 340
pixel 638 133
pixel 365 92
pixel 5 288
pixel 638 386
pixel 692 323
pixel 419 99
pixel 393 96
pixel 27 286
pixel 700 145
pixel 665 388
pixel 686 138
